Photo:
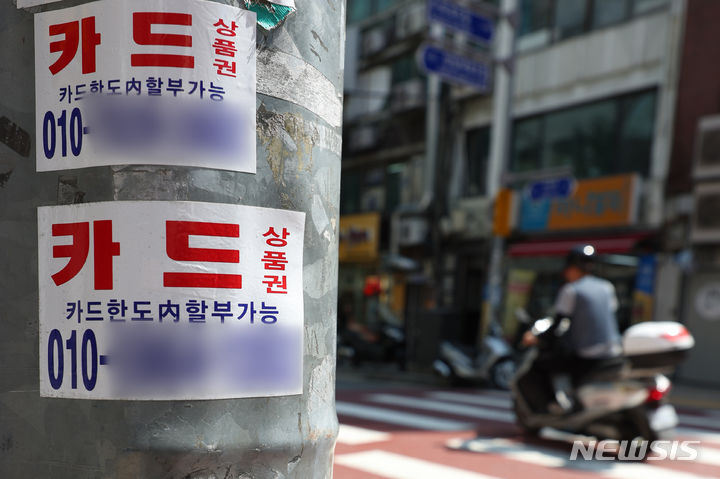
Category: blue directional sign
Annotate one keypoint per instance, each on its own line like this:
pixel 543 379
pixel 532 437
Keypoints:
pixel 461 18
pixel 556 188
pixel 455 68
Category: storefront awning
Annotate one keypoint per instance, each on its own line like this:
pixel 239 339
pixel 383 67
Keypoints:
pixel 605 245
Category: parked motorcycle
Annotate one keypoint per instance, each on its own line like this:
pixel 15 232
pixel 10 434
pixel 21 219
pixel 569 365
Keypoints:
pixel 493 362
pixel 624 401
pixel 384 343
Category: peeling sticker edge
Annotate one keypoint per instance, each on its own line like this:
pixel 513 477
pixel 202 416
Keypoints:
pixel 289 78
pixel 270 14
pixel 33 3
pixel 12 135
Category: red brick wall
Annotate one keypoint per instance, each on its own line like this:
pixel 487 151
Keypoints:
pixel 698 89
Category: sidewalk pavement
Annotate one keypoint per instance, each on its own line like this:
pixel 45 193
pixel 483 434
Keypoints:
pixel 389 374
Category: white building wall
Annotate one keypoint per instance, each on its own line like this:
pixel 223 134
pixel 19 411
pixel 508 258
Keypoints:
pixel 639 54
pixel 600 64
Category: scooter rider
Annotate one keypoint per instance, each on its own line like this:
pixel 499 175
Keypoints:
pixel 592 339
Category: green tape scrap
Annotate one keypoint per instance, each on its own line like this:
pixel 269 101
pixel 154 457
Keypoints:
pixel 269 15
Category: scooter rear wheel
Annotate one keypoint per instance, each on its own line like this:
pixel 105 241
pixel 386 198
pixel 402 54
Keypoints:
pixel 521 423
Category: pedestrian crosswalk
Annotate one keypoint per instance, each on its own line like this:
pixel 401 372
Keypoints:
pixel 397 466
pixel 468 434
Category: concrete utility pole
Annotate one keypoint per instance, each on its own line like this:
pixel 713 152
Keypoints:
pixel 299 115
pixel 500 143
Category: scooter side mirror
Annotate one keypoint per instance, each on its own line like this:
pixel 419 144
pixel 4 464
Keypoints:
pixel 562 327
pixel 522 316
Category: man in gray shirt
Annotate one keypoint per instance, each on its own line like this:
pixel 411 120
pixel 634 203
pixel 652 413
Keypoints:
pixel 592 340
pixel 590 303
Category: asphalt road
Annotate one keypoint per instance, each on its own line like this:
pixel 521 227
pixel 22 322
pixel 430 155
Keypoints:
pixel 404 429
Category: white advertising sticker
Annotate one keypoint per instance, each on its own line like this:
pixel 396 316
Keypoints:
pixel 155 300
pixel 163 82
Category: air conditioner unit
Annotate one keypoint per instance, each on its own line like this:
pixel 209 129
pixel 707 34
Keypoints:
pixel 707 148
pixel 706 220
pixel 472 218
pixel 411 21
pixel 374 40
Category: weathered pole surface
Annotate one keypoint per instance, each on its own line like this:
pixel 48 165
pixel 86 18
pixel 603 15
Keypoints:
pixel 299 111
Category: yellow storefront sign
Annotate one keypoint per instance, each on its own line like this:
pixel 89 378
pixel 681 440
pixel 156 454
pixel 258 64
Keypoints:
pixel 601 202
pixel 359 238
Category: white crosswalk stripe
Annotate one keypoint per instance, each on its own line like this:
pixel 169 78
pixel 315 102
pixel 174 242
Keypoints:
pixel 400 418
pixel 701 434
pixel 707 420
pixel 397 466
pixel 709 455
pixel 464 411
pixel 547 457
pixel 443 407
pixel 475 399
pixel 702 421
pixel 359 435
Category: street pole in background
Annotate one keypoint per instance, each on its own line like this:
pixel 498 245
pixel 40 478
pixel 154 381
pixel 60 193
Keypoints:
pixel 298 139
pixel 501 132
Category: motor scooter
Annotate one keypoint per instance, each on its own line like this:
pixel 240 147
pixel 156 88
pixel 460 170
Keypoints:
pixel 624 401
pixel 493 362
pixel 383 343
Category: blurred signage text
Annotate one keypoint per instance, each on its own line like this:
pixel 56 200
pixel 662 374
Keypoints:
pixel 455 67
pixel 359 237
pixel 461 18
pixel 600 202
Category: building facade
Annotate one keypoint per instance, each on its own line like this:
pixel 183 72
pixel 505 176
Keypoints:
pixel 603 132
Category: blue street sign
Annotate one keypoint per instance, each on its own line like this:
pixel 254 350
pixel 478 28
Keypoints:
pixel 461 18
pixel 455 68
pixel 557 188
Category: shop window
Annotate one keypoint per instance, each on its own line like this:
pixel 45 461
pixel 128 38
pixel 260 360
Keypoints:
pixel 377 189
pixel 596 139
pixel 527 144
pixel 642 6
pixel 581 138
pixel 570 17
pixel 477 153
pixel 358 10
pixel 609 12
pixel 383 5
pixel 535 15
pixel 373 190
pixel 405 68
pixel 394 181
pixel 350 185
pixel 637 127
